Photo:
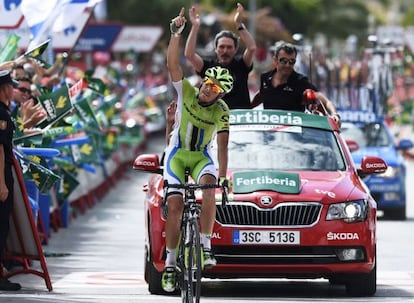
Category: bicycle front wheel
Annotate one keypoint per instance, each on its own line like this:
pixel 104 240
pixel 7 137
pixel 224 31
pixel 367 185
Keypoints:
pixel 192 289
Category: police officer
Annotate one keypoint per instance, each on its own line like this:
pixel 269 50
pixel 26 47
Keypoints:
pixel 6 176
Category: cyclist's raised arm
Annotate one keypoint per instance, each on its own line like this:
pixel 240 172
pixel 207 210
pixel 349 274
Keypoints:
pixel 173 57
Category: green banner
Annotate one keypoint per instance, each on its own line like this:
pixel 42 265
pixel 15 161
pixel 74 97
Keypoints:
pixel 84 153
pixel 277 118
pixel 43 177
pixel 59 131
pixel 85 112
pixel 37 52
pixel 69 183
pixel 95 84
pixel 10 48
pixel 19 137
pixel 250 181
pixel 56 104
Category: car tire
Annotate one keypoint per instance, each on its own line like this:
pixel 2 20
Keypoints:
pixel 362 285
pixel 152 275
pixel 154 280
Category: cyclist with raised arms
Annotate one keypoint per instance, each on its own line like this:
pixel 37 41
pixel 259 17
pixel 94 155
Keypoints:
pixel 200 116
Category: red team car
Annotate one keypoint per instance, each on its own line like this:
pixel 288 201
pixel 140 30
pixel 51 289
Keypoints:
pixel 297 206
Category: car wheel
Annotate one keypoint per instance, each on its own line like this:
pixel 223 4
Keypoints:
pixel 362 285
pixel 152 275
pixel 146 265
pixel 154 279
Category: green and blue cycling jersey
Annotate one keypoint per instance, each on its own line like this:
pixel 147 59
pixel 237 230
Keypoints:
pixel 194 129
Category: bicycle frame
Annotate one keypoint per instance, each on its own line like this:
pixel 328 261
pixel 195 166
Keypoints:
pixel 189 259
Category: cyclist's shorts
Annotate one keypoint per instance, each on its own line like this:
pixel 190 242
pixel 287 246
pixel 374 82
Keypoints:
pixel 176 159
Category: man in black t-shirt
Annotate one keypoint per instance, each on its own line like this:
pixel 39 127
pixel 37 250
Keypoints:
pixel 283 87
pixel 226 46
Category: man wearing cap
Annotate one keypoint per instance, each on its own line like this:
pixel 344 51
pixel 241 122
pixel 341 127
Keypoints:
pixel 283 87
pixel 6 176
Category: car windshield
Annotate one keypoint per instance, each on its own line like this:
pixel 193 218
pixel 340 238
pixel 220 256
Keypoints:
pixel 366 135
pixel 285 149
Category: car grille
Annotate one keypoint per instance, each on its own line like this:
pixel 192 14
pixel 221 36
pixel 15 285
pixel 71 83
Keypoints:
pixel 284 214
pixel 273 255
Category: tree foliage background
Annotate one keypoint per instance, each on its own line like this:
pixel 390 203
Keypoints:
pixel 274 20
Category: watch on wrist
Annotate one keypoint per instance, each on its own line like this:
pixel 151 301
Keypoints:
pixel 241 27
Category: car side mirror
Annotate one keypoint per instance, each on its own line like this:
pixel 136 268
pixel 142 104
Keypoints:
pixel 148 163
pixel 372 165
pixel 352 145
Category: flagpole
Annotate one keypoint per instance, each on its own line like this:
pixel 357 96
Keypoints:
pixel 71 50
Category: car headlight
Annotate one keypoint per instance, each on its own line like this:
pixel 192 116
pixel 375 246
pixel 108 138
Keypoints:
pixel 391 172
pixel 353 211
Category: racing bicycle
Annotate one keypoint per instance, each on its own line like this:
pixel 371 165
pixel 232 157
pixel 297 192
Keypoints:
pixel 189 259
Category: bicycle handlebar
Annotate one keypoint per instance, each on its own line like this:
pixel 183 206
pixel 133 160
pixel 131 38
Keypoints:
pixel 194 186
pixel 190 185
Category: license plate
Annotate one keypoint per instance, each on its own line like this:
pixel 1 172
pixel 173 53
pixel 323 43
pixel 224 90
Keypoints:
pixel 248 237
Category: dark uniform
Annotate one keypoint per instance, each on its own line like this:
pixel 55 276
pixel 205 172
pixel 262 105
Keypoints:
pixel 239 97
pixel 6 206
pixel 288 96
pixel 6 137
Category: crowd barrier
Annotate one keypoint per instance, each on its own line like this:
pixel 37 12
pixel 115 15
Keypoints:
pixel 35 214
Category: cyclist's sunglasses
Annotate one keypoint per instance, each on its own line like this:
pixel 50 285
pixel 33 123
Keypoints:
pixel 214 87
pixel 285 61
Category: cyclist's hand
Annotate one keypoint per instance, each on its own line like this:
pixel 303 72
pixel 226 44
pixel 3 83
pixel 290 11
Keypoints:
pixel 223 183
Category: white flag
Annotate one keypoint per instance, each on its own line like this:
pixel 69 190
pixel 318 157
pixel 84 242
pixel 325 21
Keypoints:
pixel 48 16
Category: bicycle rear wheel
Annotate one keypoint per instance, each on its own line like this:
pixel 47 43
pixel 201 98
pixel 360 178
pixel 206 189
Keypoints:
pixel 191 290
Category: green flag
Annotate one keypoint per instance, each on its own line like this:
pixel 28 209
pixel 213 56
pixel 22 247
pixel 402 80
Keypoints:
pixel 39 171
pixel 43 177
pixel 84 153
pixel 107 106
pixel 10 48
pixel 56 104
pixel 19 137
pixel 85 112
pixel 95 84
pixel 69 183
pixel 54 132
pixel 37 52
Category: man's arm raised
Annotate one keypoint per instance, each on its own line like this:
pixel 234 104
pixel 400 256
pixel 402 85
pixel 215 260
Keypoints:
pixel 245 36
pixel 173 58
pixel 190 46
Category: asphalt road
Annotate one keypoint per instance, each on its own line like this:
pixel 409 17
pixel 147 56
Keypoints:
pixel 99 259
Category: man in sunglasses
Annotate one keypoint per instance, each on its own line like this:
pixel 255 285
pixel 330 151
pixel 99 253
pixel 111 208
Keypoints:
pixel 200 116
pixel 226 46
pixel 24 105
pixel 283 87
pixel 22 92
